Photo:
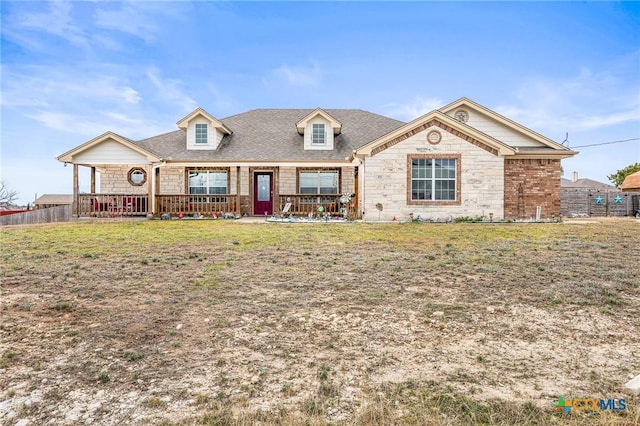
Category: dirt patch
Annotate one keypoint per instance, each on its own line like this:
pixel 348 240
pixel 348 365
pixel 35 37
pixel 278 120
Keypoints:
pixel 154 322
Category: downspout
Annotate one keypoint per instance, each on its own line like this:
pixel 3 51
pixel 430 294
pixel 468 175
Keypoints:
pixel 153 185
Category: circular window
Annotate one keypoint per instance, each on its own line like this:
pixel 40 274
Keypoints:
pixel 434 137
pixel 137 176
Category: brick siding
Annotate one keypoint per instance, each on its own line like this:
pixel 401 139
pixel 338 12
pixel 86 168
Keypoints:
pixel 529 183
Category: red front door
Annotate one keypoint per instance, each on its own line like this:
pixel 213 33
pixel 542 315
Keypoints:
pixel 263 193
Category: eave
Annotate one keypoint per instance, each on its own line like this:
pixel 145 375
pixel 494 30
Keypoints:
pixel 546 154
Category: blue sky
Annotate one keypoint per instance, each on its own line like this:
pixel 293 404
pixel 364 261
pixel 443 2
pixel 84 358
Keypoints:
pixel 73 70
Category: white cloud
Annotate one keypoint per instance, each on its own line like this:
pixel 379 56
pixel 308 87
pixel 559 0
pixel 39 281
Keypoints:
pixel 79 101
pixel 135 18
pixel 56 20
pixel 66 122
pixel 303 76
pixel 220 101
pixel 587 101
pixel 88 26
pixel 413 109
pixel 171 90
pixel 45 86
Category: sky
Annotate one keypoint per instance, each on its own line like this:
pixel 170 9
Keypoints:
pixel 71 71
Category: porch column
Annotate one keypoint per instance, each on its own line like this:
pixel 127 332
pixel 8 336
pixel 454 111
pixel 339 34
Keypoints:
pixel 76 190
pixel 93 180
pixel 150 183
pixel 238 205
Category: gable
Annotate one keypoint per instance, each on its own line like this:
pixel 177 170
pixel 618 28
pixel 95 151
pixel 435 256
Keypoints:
pixel 203 116
pixel 110 152
pixel 437 123
pixel 497 126
pixel 444 122
pixel 479 126
pixel 108 148
pixel 319 116
pixel 204 131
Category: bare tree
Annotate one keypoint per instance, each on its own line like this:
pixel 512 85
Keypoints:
pixel 7 196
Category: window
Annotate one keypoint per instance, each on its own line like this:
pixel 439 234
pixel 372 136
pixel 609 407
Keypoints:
pixel 207 182
pixel 319 182
pixel 433 179
pixel 137 176
pixel 318 136
pixel 201 133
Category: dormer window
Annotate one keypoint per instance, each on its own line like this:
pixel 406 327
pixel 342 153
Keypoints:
pixel 201 133
pixel 318 136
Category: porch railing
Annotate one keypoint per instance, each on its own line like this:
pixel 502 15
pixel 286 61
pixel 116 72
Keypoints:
pixel 189 204
pixel 318 205
pixel 111 205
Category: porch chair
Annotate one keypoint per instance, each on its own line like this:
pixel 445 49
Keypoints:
pixel 100 206
pixel 129 204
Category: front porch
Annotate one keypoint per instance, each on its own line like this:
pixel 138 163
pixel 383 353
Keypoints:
pixel 176 205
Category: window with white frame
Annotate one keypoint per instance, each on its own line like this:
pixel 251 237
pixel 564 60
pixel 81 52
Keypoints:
pixel 318 136
pixel 207 182
pixel 201 133
pixel 433 179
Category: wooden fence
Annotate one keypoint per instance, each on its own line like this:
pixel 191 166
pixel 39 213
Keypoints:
pixel 576 202
pixel 48 215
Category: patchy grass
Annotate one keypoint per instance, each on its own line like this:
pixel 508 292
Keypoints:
pixel 224 322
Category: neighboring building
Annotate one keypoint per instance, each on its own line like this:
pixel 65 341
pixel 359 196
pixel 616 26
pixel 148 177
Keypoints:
pixel 460 160
pixel 53 200
pixel 585 183
pixel 631 182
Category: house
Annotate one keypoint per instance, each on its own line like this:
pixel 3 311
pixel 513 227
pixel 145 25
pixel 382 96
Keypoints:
pixel 460 160
pixel 584 183
pixel 53 200
pixel 631 183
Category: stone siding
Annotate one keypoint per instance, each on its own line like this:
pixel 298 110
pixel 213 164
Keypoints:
pixel 529 183
pixel 288 181
pixel 114 180
pixel 387 181
pixel 172 180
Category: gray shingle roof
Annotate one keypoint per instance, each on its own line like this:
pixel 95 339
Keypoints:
pixel 584 183
pixel 271 135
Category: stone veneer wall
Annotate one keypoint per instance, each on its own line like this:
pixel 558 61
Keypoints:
pixel 172 180
pixel 114 180
pixel 529 183
pixel 386 179
pixel 288 181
